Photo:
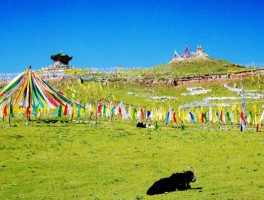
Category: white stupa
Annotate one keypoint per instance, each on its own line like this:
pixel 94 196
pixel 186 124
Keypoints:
pixel 188 54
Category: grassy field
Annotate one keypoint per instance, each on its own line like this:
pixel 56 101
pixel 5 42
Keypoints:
pixel 197 67
pixel 119 161
pixel 116 160
pixel 91 91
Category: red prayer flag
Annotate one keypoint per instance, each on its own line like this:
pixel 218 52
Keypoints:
pixel 99 110
pixel 242 117
pixel 5 110
pixel 65 109
pixel 202 116
pixel 120 111
pixel 142 113
pixel 174 118
pixel 28 112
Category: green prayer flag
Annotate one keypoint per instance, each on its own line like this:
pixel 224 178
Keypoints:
pixel 59 111
pixel 205 117
pixel 251 116
pixel 134 113
pixel 228 117
pixel 11 110
pixel 104 110
pixel 156 126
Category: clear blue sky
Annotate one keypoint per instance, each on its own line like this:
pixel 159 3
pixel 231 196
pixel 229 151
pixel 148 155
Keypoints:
pixel 127 33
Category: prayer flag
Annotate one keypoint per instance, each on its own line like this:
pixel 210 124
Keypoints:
pixel 120 111
pixel 11 110
pixel 99 110
pixel 251 117
pixel 210 114
pixel 104 110
pixel 167 118
pixel 134 113
pixel 242 116
pixel 202 117
pixel 5 111
pixel 218 116
pixel 142 113
pixel 174 117
pixel 228 117
pixel 205 117
pixel 192 117
pixel 148 114
pixel 156 126
pixel 261 117
pixel 79 110
pixel 28 112
pixel 59 111
pixel 65 110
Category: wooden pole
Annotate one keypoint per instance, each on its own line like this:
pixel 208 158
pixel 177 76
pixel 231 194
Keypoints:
pixel 96 105
pixel 72 114
pixel 26 121
pixel 91 114
pixel 9 119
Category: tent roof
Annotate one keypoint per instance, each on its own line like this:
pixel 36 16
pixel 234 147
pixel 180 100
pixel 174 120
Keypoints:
pixel 28 89
pixel 64 58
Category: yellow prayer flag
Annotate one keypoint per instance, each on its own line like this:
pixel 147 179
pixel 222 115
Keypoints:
pixel 233 107
pixel 254 108
pixel 239 109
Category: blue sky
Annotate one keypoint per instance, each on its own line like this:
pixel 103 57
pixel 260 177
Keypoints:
pixel 133 33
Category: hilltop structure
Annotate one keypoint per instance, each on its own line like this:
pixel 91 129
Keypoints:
pixel 189 54
pixel 61 63
pixel 61 60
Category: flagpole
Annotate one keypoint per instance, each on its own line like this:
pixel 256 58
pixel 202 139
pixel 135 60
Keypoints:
pixel 9 112
pixel 28 98
pixel 243 122
pixel 96 106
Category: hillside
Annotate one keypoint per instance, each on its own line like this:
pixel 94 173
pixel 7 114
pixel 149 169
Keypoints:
pixel 197 67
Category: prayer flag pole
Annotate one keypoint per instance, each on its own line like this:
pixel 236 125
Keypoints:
pixel 96 110
pixel 243 120
pixel 10 108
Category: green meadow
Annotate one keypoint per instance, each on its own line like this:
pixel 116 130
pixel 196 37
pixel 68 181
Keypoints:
pixel 55 159
pixel 198 67
pixel 116 160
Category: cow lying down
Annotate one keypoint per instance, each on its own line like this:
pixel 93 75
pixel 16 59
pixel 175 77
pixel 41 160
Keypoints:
pixel 177 181
pixel 144 125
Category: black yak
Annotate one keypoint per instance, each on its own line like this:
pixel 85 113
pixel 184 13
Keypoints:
pixel 144 125
pixel 177 181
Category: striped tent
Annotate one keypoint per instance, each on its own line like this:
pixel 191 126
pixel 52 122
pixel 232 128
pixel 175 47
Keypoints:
pixel 28 90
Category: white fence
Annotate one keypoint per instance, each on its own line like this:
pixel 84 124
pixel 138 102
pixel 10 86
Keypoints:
pixel 7 76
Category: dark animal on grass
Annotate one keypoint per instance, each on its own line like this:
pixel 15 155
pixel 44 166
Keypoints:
pixel 177 181
pixel 144 125
pixel 141 125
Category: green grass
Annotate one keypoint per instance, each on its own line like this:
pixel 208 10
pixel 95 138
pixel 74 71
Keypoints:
pixel 197 68
pixel 118 161
pixel 116 91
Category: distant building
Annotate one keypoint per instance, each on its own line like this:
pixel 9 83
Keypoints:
pixel 189 54
pixel 61 60
pixel 176 56
pixel 200 52
pixel 61 63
